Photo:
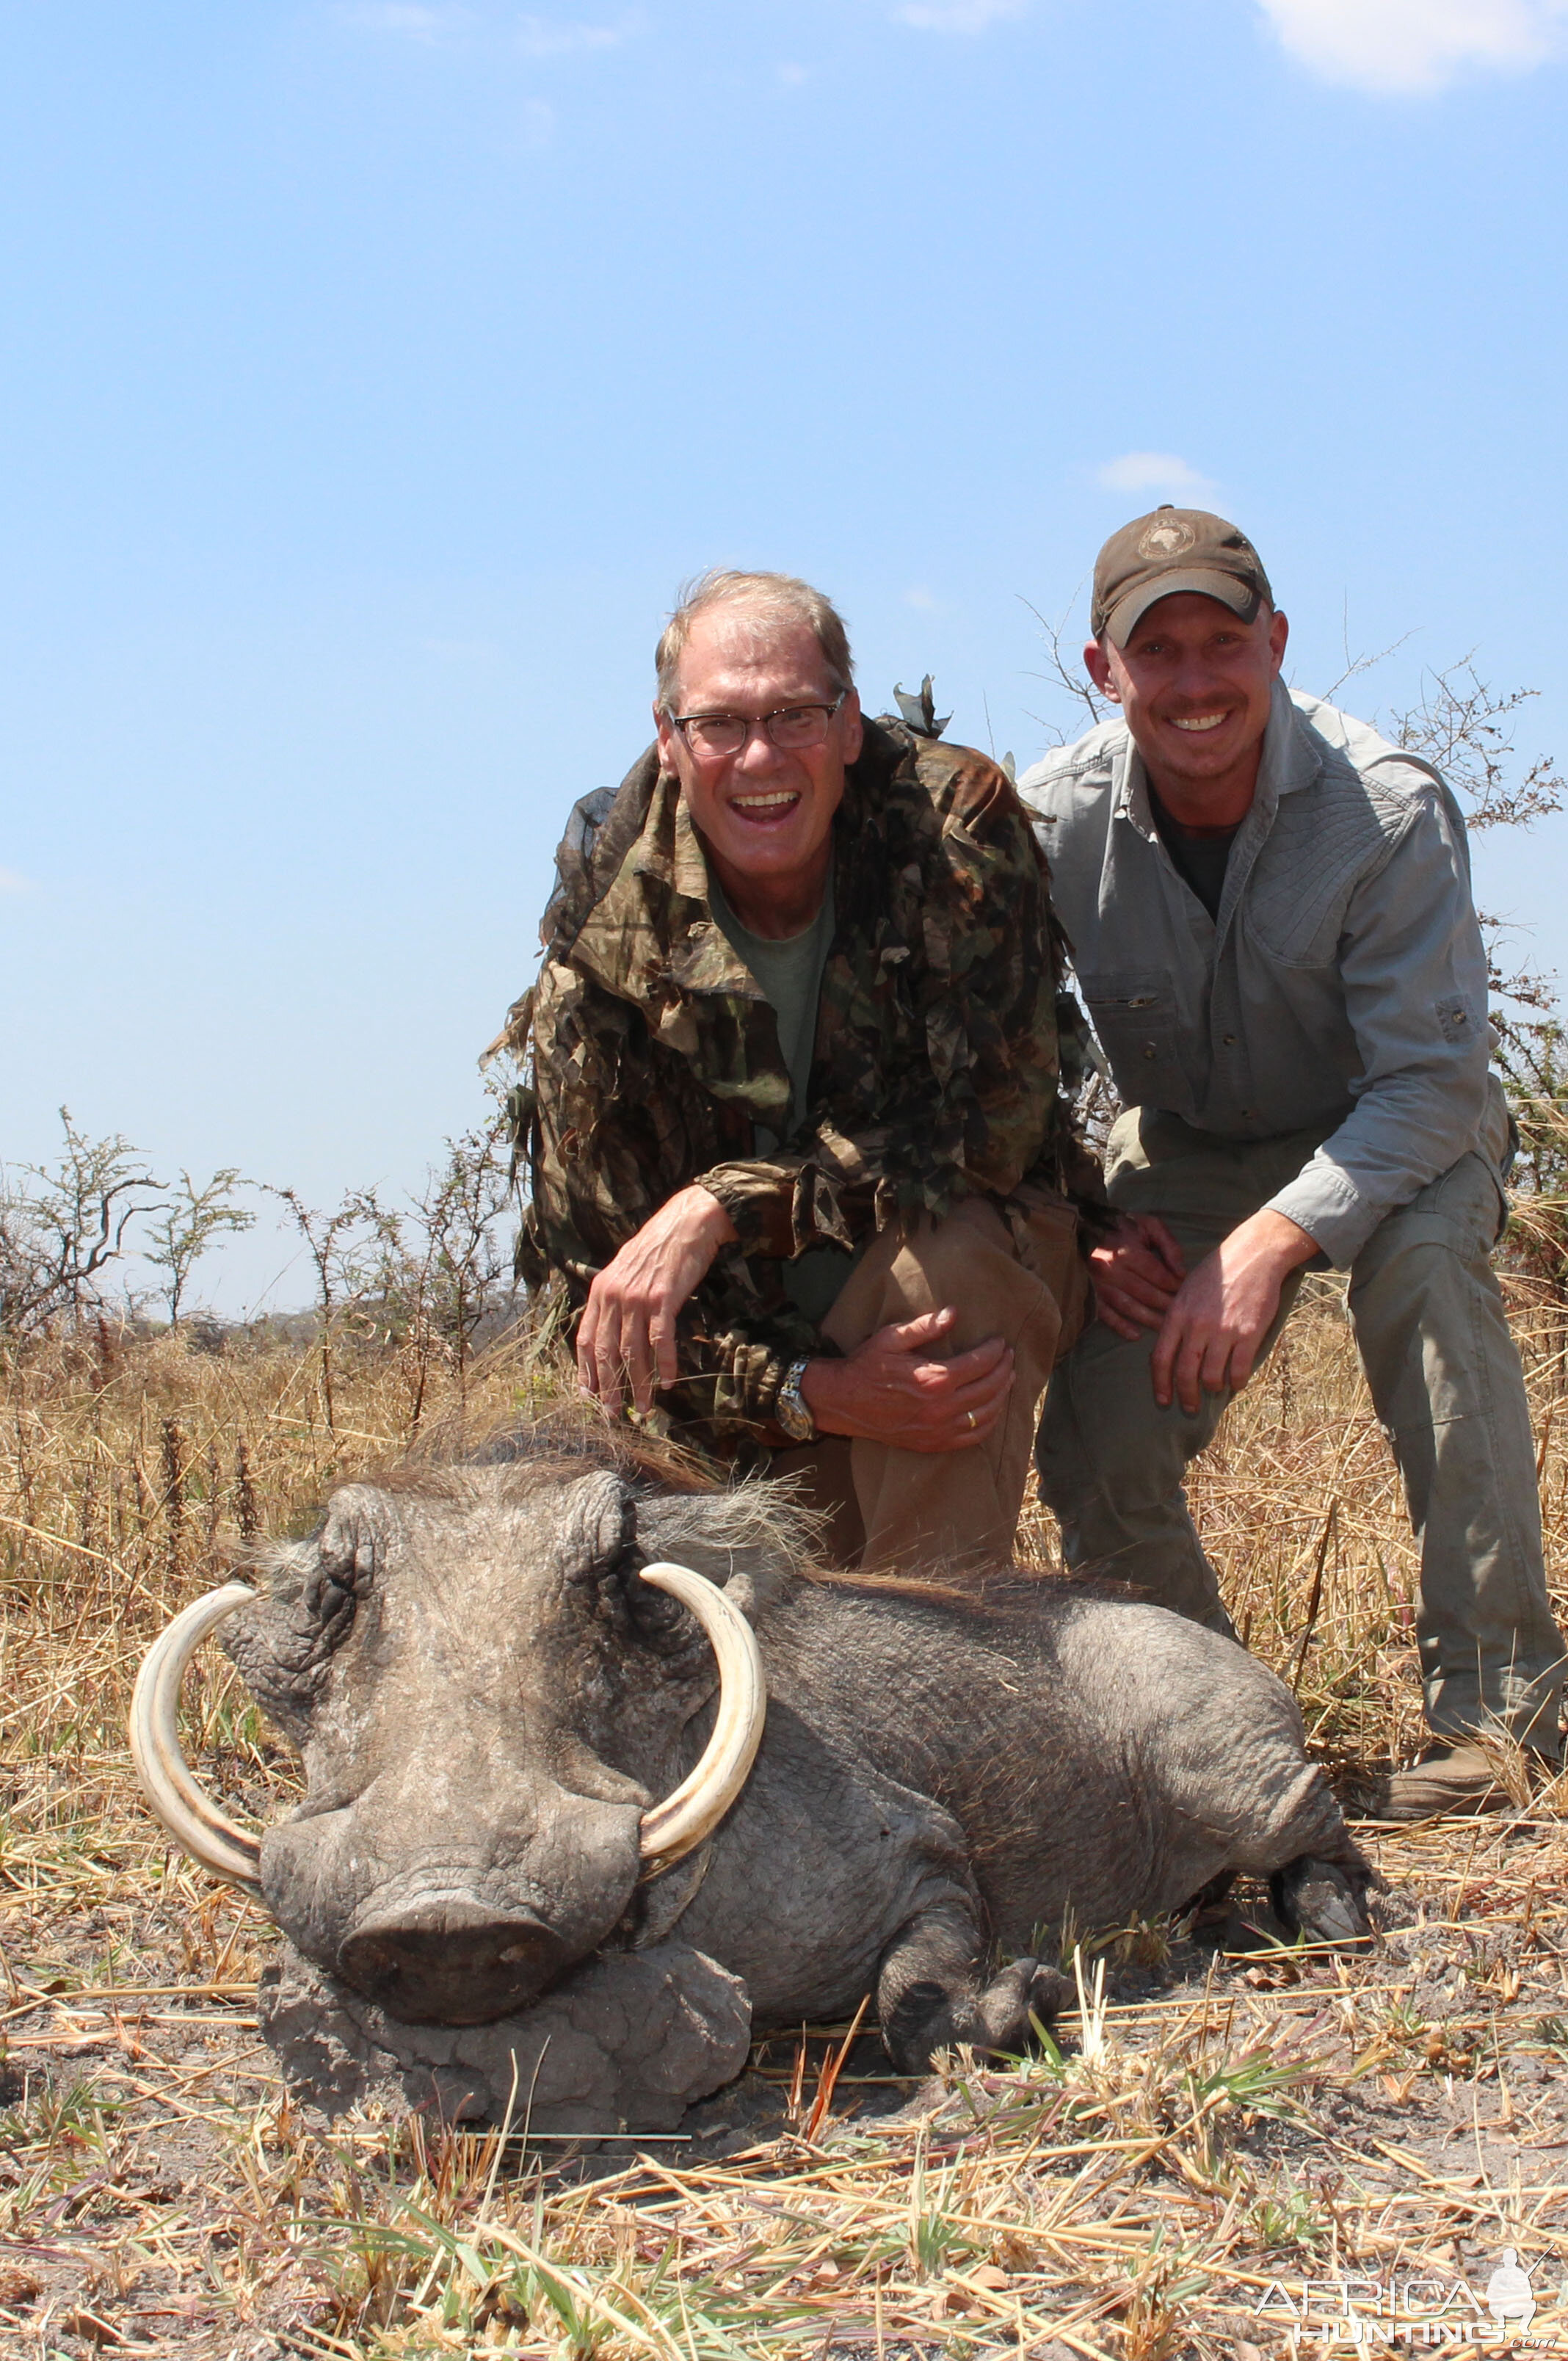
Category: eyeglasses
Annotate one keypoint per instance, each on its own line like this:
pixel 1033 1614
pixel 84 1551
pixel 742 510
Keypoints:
pixel 790 728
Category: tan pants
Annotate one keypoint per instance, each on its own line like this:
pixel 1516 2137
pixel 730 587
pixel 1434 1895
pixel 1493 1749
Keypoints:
pixel 1016 1274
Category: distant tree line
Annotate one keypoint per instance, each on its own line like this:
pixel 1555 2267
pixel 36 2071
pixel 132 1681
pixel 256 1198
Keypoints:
pixel 432 1276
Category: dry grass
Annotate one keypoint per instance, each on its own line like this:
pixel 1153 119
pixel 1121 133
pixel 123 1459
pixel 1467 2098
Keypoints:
pixel 1212 2122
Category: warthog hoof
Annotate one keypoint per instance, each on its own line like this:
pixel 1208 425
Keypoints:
pixel 1323 1902
pixel 998 2019
pixel 1024 1996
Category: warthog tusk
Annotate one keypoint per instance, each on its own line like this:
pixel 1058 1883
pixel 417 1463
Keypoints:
pixel 186 1810
pixel 678 1825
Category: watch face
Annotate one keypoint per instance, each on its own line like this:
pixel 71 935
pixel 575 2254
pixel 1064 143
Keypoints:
pixel 791 1413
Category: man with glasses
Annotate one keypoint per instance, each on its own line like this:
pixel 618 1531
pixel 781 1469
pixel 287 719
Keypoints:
pixel 798 1155
pixel 1271 912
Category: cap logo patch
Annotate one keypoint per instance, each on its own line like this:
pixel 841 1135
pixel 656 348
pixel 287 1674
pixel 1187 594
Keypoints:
pixel 1168 537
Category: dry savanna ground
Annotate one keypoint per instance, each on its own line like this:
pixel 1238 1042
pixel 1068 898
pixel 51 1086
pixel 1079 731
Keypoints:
pixel 1224 2125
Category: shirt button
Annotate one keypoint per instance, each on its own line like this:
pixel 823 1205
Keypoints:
pixel 1148 1049
pixel 1249 1114
pixel 1229 1041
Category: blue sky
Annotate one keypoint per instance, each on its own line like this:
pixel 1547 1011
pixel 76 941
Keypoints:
pixel 374 372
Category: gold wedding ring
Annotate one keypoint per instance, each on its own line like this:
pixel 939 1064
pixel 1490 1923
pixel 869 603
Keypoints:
pixel 969 1415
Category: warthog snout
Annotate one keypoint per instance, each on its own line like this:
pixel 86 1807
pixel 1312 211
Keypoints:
pixel 451 1958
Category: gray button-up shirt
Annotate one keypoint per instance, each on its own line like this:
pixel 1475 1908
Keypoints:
pixel 1342 987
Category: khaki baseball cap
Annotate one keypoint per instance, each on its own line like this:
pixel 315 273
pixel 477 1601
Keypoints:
pixel 1174 549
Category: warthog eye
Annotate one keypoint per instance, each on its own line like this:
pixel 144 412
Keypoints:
pixel 611 1557
pixel 329 1597
pixel 331 1591
pixel 329 1602
pixel 658 1621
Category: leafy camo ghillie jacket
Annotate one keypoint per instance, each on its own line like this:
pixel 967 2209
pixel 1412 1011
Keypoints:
pixel 655 1054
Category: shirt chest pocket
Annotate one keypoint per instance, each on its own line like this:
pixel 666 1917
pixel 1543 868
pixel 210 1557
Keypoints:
pixel 1294 907
pixel 1135 1017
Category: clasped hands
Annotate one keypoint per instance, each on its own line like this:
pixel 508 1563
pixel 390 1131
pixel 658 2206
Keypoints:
pixel 1212 1320
pixel 896 1388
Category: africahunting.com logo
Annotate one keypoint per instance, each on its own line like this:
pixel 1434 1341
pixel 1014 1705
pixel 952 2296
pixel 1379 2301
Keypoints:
pixel 1412 2311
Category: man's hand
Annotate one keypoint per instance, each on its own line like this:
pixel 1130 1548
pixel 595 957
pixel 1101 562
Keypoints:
pixel 628 1330
pixel 1136 1272
pixel 894 1390
pixel 1219 1317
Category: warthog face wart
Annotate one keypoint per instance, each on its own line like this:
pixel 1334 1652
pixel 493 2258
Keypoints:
pixel 486 1698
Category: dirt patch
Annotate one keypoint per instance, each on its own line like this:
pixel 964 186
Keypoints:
pixel 1212 2122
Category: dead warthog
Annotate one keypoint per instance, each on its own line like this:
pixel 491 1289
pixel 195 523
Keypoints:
pixel 582 1747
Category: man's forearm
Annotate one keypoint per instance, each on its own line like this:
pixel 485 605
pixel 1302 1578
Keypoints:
pixel 1413 969
pixel 1400 1135
pixel 1275 1242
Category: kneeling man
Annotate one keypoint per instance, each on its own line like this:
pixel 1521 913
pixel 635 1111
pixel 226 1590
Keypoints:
pixel 1270 907
pixel 798 1150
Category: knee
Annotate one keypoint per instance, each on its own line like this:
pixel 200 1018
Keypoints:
pixel 949 1253
pixel 968 1262
pixel 1423 1280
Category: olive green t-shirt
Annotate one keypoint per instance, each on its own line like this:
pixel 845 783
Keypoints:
pixel 789 970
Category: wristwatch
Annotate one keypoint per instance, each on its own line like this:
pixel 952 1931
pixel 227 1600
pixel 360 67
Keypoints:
pixel 789 1406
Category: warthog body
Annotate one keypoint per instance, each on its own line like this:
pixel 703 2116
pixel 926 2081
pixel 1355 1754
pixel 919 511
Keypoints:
pixel 487 1700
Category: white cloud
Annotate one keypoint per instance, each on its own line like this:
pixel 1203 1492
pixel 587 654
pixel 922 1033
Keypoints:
pixel 958 15
pixel 919 597
pixel 1152 471
pixel 792 77
pixel 13 881
pixel 1415 46
pixel 543 37
pixel 411 20
pixel 434 21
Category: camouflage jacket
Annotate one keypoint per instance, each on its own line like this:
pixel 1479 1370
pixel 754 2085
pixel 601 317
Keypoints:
pixel 654 1053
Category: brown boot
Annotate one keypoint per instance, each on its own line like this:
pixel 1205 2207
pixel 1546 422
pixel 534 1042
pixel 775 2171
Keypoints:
pixel 1453 1778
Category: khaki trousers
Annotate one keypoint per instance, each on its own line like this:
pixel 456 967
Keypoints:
pixel 1446 1381
pixel 1013 1272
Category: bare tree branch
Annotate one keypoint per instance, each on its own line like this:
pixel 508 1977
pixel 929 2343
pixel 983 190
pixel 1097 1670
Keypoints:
pixel 1465 728
pixel 1066 676
pixel 56 1239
